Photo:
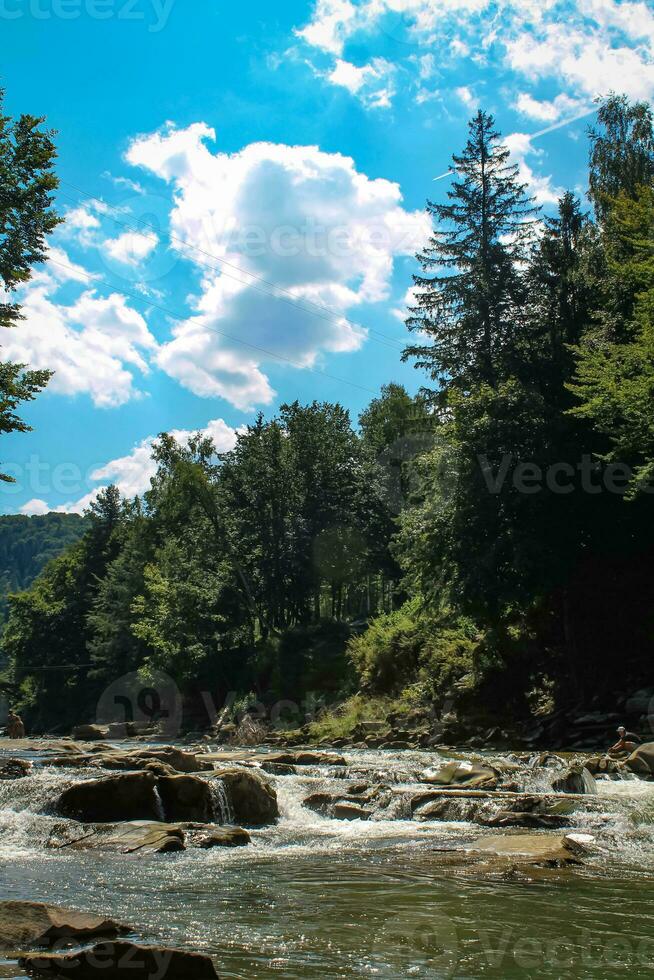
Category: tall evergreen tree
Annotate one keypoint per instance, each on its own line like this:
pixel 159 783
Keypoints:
pixel 471 310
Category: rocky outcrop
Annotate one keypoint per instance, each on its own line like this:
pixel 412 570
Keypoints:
pixel 577 779
pixel 251 796
pixel 27 924
pixel 122 961
pixel 641 761
pixel 351 811
pixel 131 796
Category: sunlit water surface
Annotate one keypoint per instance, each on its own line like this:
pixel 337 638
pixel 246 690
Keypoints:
pixel 320 898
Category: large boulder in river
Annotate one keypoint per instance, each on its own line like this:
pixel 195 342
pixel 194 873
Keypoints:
pixel 24 924
pixel 90 733
pixel 122 961
pixel 252 798
pixel 186 798
pixel 463 775
pixel 165 759
pixel 641 761
pixel 15 769
pixel 131 796
pixel 576 779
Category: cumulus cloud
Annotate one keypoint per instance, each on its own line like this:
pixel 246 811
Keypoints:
pixel 132 473
pixel 304 238
pixel 91 343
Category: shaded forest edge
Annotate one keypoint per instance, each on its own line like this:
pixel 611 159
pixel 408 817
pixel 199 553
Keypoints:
pixel 482 550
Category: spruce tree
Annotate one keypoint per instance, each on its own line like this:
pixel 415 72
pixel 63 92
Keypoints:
pixel 470 310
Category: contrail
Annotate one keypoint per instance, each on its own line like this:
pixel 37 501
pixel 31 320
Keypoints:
pixel 541 132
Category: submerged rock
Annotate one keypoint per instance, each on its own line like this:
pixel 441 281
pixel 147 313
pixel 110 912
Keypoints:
pixel 25 924
pixel 122 961
pixel 90 733
pixel 538 849
pixel 252 798
pixel 577 779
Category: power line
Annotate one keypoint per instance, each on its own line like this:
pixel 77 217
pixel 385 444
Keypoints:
pixel 319 309
pixel 188 319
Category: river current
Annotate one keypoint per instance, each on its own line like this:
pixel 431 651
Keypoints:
pixel 314 897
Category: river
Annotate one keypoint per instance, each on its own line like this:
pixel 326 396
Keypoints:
pixel 314 897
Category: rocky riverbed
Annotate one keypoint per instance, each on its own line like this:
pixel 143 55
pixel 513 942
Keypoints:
pixel 317 863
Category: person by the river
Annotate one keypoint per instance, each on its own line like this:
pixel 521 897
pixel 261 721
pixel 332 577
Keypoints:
pixel 15 726
pixel 627 742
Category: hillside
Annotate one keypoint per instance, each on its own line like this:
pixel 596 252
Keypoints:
pixel 27 544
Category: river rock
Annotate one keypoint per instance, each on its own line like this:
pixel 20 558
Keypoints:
pixel 15 769
pixel 641 761
pixel 173 759
pixel 90 733
pixel 306 759
pixel 252 797
pixel 577 779
pixel 550 850
pixel 351 811
pixel 122 961
pixel 603 764
pixel 130 796
pixel 517 818
pixel 25 924
pixel 136 837
pixel 186 798
pixel 223 837
pixel 463 775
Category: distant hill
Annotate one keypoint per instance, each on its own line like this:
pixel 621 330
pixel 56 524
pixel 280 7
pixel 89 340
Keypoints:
pixel 27 544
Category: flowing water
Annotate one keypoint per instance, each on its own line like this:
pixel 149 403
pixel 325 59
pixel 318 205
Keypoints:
pixel 314 897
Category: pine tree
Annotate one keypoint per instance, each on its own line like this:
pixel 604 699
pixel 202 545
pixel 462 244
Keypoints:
pixel 471 310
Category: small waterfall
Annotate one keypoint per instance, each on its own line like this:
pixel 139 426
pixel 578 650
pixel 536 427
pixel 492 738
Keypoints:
pixel 158 805
pixel 221 807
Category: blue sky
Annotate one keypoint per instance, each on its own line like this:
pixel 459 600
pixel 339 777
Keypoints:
pixel 244 189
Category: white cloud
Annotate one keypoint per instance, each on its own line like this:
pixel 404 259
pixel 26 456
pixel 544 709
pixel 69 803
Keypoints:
pixel 131 247
pixel 465 93
pixel 371 83
pixel 547 111
pixel 588 47
pixel 35 507
pixel 132 473
pixel 539 186
pixel 90 343
pixel 307 221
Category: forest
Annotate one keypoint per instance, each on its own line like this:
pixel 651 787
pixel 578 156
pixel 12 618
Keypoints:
pixel 495 529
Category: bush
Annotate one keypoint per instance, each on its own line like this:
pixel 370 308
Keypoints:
pixel 411 649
